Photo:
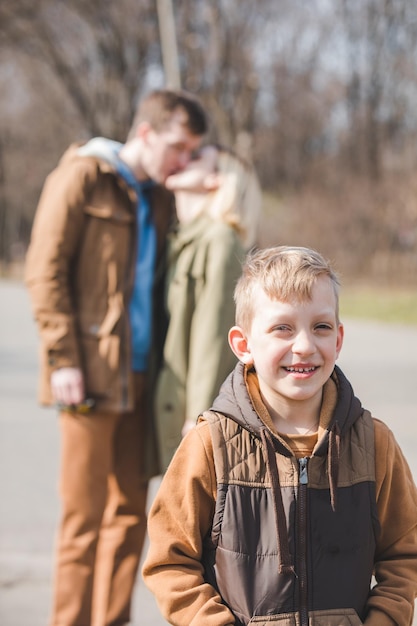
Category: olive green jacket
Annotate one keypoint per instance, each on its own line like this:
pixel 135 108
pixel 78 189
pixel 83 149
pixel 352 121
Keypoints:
pixel 205 263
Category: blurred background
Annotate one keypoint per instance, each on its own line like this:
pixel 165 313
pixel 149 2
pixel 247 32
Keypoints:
pixel 321 95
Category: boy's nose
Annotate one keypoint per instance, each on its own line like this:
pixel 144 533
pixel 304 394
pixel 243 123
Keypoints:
pixel 303 343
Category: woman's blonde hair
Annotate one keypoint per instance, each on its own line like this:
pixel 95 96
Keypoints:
pixel 238 199
pixel 283 273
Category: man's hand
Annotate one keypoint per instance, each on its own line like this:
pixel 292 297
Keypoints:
pixel 67 385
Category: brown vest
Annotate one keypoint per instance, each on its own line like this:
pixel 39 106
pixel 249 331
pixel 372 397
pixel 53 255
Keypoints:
pixel 318 565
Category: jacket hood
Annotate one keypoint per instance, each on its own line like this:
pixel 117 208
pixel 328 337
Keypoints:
pixel 102 148
pixel 234 402
pixel 103 151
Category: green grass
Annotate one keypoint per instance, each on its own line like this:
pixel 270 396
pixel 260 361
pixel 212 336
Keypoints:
pixel 385 305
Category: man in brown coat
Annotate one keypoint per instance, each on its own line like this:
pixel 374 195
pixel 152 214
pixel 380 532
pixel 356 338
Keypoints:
pixel 95 270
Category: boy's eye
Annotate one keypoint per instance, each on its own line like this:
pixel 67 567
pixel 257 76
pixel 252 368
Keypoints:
pixel 282 328
pixel 323 326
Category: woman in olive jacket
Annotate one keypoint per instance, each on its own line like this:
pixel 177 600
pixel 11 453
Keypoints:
pixel 218 208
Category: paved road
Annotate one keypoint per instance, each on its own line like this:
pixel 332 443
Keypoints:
pixel 380 360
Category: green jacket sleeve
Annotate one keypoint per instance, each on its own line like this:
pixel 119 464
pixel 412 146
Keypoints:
pixel 210 357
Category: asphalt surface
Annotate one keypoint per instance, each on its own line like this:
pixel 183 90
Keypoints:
pixel 380 360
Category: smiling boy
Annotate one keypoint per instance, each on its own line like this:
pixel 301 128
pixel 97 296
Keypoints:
pixel 288 496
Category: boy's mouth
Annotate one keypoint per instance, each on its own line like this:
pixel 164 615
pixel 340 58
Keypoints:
pixel 301 370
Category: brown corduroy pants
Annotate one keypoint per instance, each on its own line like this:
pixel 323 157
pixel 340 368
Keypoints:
pixel 103 523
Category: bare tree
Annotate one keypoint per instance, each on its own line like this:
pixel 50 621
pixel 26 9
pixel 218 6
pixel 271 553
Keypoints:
pixel 217 46
pixel 381 60
pixel 78 69
pixel 97 53
pixel 320 94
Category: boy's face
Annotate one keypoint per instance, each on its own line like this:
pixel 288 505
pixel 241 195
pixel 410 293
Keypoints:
pixel 169 150
pixel 293 345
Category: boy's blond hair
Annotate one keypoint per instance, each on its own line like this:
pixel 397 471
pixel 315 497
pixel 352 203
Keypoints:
pixel 284 273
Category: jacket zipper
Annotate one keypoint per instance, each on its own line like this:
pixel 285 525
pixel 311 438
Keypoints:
pixel 302 535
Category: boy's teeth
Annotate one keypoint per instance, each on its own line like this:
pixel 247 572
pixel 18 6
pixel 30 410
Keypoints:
pixel 300 369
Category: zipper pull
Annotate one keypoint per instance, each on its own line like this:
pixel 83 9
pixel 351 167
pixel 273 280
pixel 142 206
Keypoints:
pixel 303 470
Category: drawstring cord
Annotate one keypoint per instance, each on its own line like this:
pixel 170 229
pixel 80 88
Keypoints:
pixel 333 463
pixel 285 564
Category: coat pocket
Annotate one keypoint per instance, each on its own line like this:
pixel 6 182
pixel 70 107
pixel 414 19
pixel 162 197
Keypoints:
pixel 335 617
pixel 112 212
pixel 101 357
pixel 331 617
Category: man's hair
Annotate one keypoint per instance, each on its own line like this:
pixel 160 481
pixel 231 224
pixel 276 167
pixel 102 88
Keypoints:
pixel 158 107
pixel 284 273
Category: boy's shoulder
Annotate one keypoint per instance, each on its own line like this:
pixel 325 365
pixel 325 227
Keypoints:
pixel 216 431
pixel 384 438
pixel 210 416
pixel 217 422
pixel 383 434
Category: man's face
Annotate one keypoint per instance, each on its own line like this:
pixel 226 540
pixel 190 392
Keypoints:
pixel 199 175
pixel 294 345
pixel 168 151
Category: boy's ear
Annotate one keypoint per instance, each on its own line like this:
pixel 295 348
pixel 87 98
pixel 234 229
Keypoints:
pixel 339 341
pixel 239 345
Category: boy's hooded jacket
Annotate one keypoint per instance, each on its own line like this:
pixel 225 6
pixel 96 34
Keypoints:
pixel 241 532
